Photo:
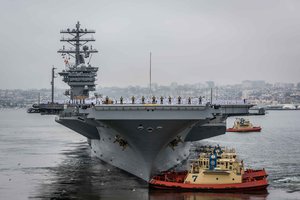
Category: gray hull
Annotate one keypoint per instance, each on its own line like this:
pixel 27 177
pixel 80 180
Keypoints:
pixel 143 140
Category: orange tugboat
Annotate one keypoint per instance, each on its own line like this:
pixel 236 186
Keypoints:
pixel 218 170
pixel 243 125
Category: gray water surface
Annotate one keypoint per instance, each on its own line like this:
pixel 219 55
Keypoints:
pixel 40 159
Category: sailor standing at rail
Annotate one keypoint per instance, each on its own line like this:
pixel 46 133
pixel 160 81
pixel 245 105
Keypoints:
pixel 143 100
pixel 153 100
pixel 161 100
pixel 179 100
pixel 170 100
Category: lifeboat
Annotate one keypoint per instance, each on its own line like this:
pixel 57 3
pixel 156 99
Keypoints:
pixel 243 125
pixel 218 170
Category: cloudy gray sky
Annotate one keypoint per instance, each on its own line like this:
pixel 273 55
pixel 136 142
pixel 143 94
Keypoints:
pixel 191 41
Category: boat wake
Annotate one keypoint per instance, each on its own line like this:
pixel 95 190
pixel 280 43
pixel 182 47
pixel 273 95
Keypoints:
pixel 292 183
pixel 293 179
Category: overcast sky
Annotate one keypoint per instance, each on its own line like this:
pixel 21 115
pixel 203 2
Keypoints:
pixel 191 41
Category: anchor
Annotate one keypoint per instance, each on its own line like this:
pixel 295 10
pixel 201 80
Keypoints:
pixel 123 143
pixel 175 142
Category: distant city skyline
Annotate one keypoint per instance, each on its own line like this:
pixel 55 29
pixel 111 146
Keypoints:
pixel 202 85
pixel 191 41
pixel 62 86
pixel 98 87
pixel 255 92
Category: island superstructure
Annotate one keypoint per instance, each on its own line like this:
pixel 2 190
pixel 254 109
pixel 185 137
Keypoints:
pixel 139 138
pixel 80 76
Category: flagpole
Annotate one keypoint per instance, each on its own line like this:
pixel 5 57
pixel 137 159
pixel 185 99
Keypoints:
pixel 150 74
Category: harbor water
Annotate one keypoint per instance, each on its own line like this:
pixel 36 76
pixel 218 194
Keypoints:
pixel 40 159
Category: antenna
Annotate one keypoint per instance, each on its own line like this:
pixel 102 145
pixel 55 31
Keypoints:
pixel 39 98
pixel 211 95
pixel 52 84
pixel 150 73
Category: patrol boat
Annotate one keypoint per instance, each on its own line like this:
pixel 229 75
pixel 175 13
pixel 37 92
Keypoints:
pixel 243 125
pixel 139 138
pixel 216 169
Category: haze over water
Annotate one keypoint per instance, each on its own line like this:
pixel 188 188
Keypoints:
pixel 224 41
pixel 40 159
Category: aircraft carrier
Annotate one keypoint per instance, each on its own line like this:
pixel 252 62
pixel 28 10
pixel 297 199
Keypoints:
pixel 139 137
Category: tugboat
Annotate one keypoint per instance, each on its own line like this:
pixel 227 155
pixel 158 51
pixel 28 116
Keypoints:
pixel 216 170
pixel 243 125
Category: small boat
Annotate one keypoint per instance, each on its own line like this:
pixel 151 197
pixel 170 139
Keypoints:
pixel 216 170
pixel 243 125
